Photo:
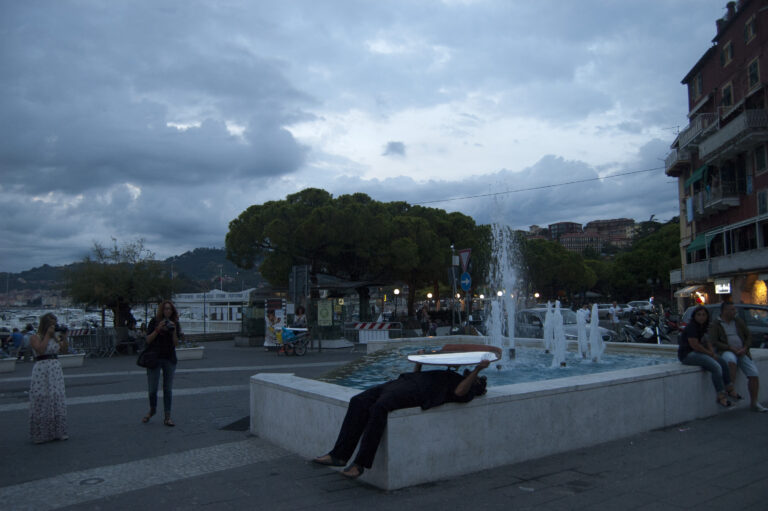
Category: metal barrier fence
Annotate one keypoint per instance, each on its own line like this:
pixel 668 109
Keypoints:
pixel 95 342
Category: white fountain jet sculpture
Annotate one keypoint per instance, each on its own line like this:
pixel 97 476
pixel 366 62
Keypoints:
pixel 558 338
pixel 596 345
pixel 581 331
pixel 549 329
pixel 500 325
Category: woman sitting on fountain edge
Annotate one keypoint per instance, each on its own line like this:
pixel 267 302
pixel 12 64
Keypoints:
pixel 366 415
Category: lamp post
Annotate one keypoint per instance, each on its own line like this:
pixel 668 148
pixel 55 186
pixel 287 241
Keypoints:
pixel 429 301
pixel 397 293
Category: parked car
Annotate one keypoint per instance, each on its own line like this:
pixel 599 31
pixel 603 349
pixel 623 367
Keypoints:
pixel 530 323
pixel 643 305
pixel 755 316
pixel 602 310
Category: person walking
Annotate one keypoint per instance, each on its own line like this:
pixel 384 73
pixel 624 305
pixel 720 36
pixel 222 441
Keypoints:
pixel 615 312
pixel 47 395
pixel 162 339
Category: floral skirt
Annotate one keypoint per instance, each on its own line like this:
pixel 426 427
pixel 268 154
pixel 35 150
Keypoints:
pixel 47 402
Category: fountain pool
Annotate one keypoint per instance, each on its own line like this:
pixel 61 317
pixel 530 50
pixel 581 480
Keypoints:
pixel 510 424
pixel 530 364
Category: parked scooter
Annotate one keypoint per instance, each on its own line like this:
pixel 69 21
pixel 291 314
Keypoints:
pixel 646 329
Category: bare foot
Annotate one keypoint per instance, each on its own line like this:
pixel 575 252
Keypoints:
pixel 353 471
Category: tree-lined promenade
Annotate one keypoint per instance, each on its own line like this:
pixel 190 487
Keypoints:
pixel 372 243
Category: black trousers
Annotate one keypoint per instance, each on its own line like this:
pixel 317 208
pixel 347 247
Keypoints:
pixel 366 419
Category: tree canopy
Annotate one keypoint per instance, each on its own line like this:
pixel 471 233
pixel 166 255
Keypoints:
pixel 352 237
pixel 118 277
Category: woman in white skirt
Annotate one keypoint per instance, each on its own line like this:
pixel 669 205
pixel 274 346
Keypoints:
pixel 47 398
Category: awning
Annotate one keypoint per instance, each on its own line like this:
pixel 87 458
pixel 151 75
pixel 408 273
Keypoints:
pixel 697 174
pixel 697 244
pixel 687 291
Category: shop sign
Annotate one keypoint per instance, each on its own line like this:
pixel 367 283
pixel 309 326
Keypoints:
pixel 722 286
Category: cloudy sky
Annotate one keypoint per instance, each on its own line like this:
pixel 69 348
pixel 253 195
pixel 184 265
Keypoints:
pixel 164 120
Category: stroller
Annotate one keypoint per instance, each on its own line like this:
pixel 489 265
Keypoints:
pixel 292 342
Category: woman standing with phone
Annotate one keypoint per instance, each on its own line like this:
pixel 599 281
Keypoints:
pixel 162 339
pixel 47 398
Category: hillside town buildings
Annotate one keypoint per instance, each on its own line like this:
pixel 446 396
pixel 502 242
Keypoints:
pixel 721 164
pixel 595 235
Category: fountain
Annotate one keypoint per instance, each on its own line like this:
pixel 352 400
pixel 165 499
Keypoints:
pixel 583 342
pixel 512 422
pixel 596 345
pixel 558 337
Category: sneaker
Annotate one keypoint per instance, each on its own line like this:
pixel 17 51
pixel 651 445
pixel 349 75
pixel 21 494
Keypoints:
pixel 759 408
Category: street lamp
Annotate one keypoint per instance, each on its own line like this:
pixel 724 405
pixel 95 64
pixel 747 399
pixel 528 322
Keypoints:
pixel 429 301
pixel 397 293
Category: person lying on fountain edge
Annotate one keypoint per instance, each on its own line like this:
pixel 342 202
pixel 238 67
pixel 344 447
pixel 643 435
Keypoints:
pixel 366 415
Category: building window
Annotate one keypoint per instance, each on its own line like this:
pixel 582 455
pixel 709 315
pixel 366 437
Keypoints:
pixel 750 29
pixel 762 202
pixel 753 74
pixel 697 87
pixel 726 54
pixel 727 98
pixel 760 159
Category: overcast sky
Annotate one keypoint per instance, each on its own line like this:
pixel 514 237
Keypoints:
pixel 164 120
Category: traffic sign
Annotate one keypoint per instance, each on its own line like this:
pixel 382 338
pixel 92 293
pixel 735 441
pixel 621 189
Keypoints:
pixel 466 281
pixel 464 255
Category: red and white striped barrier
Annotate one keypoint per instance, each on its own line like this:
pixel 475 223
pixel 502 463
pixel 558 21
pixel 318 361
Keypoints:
pixel 78 331
pixel 373 326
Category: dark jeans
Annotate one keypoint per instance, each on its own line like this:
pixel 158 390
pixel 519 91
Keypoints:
pixel 153 380
pixel 721 376
pixel 367 418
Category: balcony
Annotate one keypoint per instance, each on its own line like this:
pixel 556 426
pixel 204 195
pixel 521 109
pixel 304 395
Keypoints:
pixel 699 126
pixel 747 261
pixel 677 161
pixel 739 135
pixel 696 272
pixel 741 262
pixel 715 199
pixel 721 197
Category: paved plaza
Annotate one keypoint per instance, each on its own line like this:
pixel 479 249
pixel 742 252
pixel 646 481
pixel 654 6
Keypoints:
pixel 210 461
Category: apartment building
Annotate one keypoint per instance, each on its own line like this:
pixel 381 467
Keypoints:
pixel 558 229
pixel 616 231
pixel 721 164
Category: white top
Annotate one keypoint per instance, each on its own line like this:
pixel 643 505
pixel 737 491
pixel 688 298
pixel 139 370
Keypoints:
pixel 734 341
pixel 459 358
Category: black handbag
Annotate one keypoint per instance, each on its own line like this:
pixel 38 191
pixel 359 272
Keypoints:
pixel 147 359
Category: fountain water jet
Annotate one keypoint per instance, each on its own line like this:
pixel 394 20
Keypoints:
pixel 581 326
pixel 596 345
pixel 500 325
pixel 558 337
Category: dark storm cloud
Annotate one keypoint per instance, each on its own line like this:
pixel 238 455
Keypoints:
pixel 89 92
pixel 165 119
pixel 394 149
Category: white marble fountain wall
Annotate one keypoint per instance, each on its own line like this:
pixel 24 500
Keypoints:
pixel 510 424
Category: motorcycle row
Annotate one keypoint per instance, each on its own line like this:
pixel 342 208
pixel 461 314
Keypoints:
pixel 648 327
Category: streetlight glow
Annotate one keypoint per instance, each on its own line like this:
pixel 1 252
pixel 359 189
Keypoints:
pixel 429 295
pixel 536 295
pixel 499 293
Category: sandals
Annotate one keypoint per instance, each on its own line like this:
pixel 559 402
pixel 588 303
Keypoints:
pixel 329 461
pixel 148 416
pixel 723 401
pixel 353 471
pixel 735 395
pixel 168 422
